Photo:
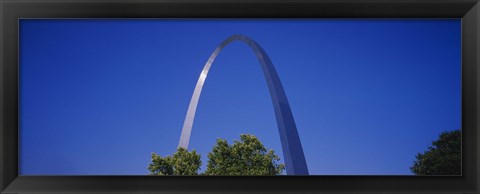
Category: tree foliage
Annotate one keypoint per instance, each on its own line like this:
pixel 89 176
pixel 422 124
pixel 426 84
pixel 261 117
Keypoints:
pixel 181 162
pixel 245 157
pixel 442 158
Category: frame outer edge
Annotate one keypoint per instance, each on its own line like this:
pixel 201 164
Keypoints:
pixel 471 96
pixel 5 179
pixel 477 9
pixel 476 12
pixel 1 94
pixel 8 97
pixel 2 111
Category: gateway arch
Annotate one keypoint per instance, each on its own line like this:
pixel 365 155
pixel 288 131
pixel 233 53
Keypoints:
pixel 291 146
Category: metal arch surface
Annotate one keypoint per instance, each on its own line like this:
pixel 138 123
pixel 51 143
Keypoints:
pixel 291 146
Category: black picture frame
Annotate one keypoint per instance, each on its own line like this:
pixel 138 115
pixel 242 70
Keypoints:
pixel 12 10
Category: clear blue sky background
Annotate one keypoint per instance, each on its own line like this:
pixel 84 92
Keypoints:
pixel 97 97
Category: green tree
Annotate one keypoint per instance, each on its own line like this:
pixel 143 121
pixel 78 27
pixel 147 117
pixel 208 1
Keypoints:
pixel 181 162
pixel 245 157
pixel 442 158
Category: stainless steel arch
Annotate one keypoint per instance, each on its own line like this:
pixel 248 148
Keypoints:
pixel 291 146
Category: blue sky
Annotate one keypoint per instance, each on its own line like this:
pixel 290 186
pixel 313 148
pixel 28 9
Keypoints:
pixel 98 96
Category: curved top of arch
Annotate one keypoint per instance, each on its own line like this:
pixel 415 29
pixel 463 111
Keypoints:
pixel 291 146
